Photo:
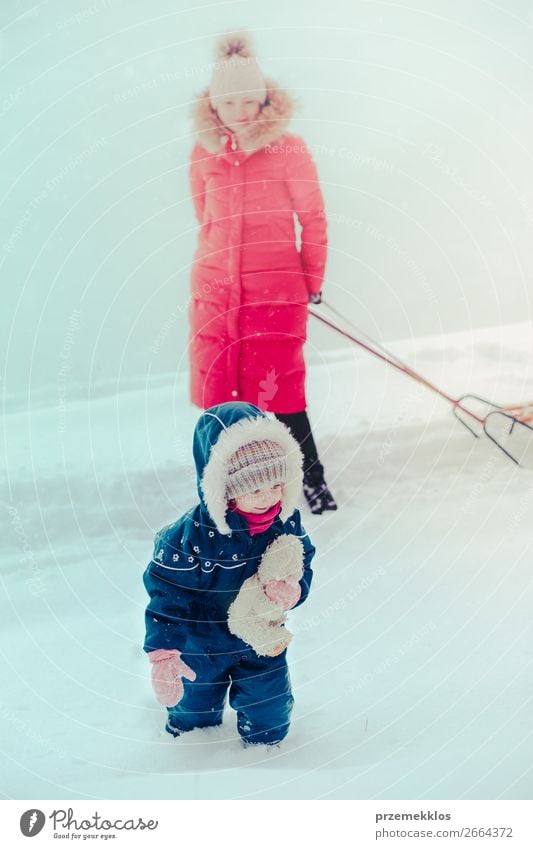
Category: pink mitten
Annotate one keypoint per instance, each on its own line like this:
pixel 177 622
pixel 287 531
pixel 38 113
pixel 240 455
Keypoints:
pixel 286 593
pixel 167 671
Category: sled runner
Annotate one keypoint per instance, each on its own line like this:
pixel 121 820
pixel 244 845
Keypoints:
pixel 509 427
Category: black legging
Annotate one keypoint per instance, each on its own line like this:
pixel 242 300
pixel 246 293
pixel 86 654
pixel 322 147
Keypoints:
pixel 300 427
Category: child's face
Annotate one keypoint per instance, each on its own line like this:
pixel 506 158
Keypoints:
pixel 260 500
pixel 236 111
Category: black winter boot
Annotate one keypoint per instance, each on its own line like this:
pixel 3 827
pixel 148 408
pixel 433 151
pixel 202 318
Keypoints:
pixel 317 493
pixel 315 488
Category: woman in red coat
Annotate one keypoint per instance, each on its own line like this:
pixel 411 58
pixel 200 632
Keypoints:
pixel 250 179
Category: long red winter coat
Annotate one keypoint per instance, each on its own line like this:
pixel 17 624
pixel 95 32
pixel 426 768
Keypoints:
pixel 250 283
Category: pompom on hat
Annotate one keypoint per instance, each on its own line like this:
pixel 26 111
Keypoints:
pixel 236 70
pixel 255 465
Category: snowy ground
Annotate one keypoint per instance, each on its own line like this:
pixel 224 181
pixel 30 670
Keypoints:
pixel 412 663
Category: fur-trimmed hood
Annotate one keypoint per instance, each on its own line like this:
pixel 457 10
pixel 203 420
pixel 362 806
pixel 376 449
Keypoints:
pixel 223 429
pixel 271 123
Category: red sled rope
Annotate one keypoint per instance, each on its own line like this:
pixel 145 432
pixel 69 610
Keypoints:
pixel 502 424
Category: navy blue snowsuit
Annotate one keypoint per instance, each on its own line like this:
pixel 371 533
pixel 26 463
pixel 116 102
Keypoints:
pixel 195 573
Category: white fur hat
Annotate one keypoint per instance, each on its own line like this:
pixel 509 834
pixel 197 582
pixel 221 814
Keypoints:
pixel 236 70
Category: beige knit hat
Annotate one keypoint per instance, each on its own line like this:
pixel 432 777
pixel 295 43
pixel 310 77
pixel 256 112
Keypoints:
pixel 255 465
pixel 236 70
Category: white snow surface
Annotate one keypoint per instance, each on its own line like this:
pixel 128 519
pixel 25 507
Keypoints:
pixel 412 661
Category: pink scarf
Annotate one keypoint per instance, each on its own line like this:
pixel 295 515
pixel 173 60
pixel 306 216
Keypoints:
pixel 259 522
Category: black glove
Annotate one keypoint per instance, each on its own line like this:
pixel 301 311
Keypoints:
pixel 315 297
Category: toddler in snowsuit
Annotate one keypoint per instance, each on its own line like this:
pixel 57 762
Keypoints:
pixel 249 470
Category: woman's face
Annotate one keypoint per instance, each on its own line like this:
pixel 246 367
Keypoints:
pixel 237 111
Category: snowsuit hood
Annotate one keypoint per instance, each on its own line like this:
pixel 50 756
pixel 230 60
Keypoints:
pixel 219 432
